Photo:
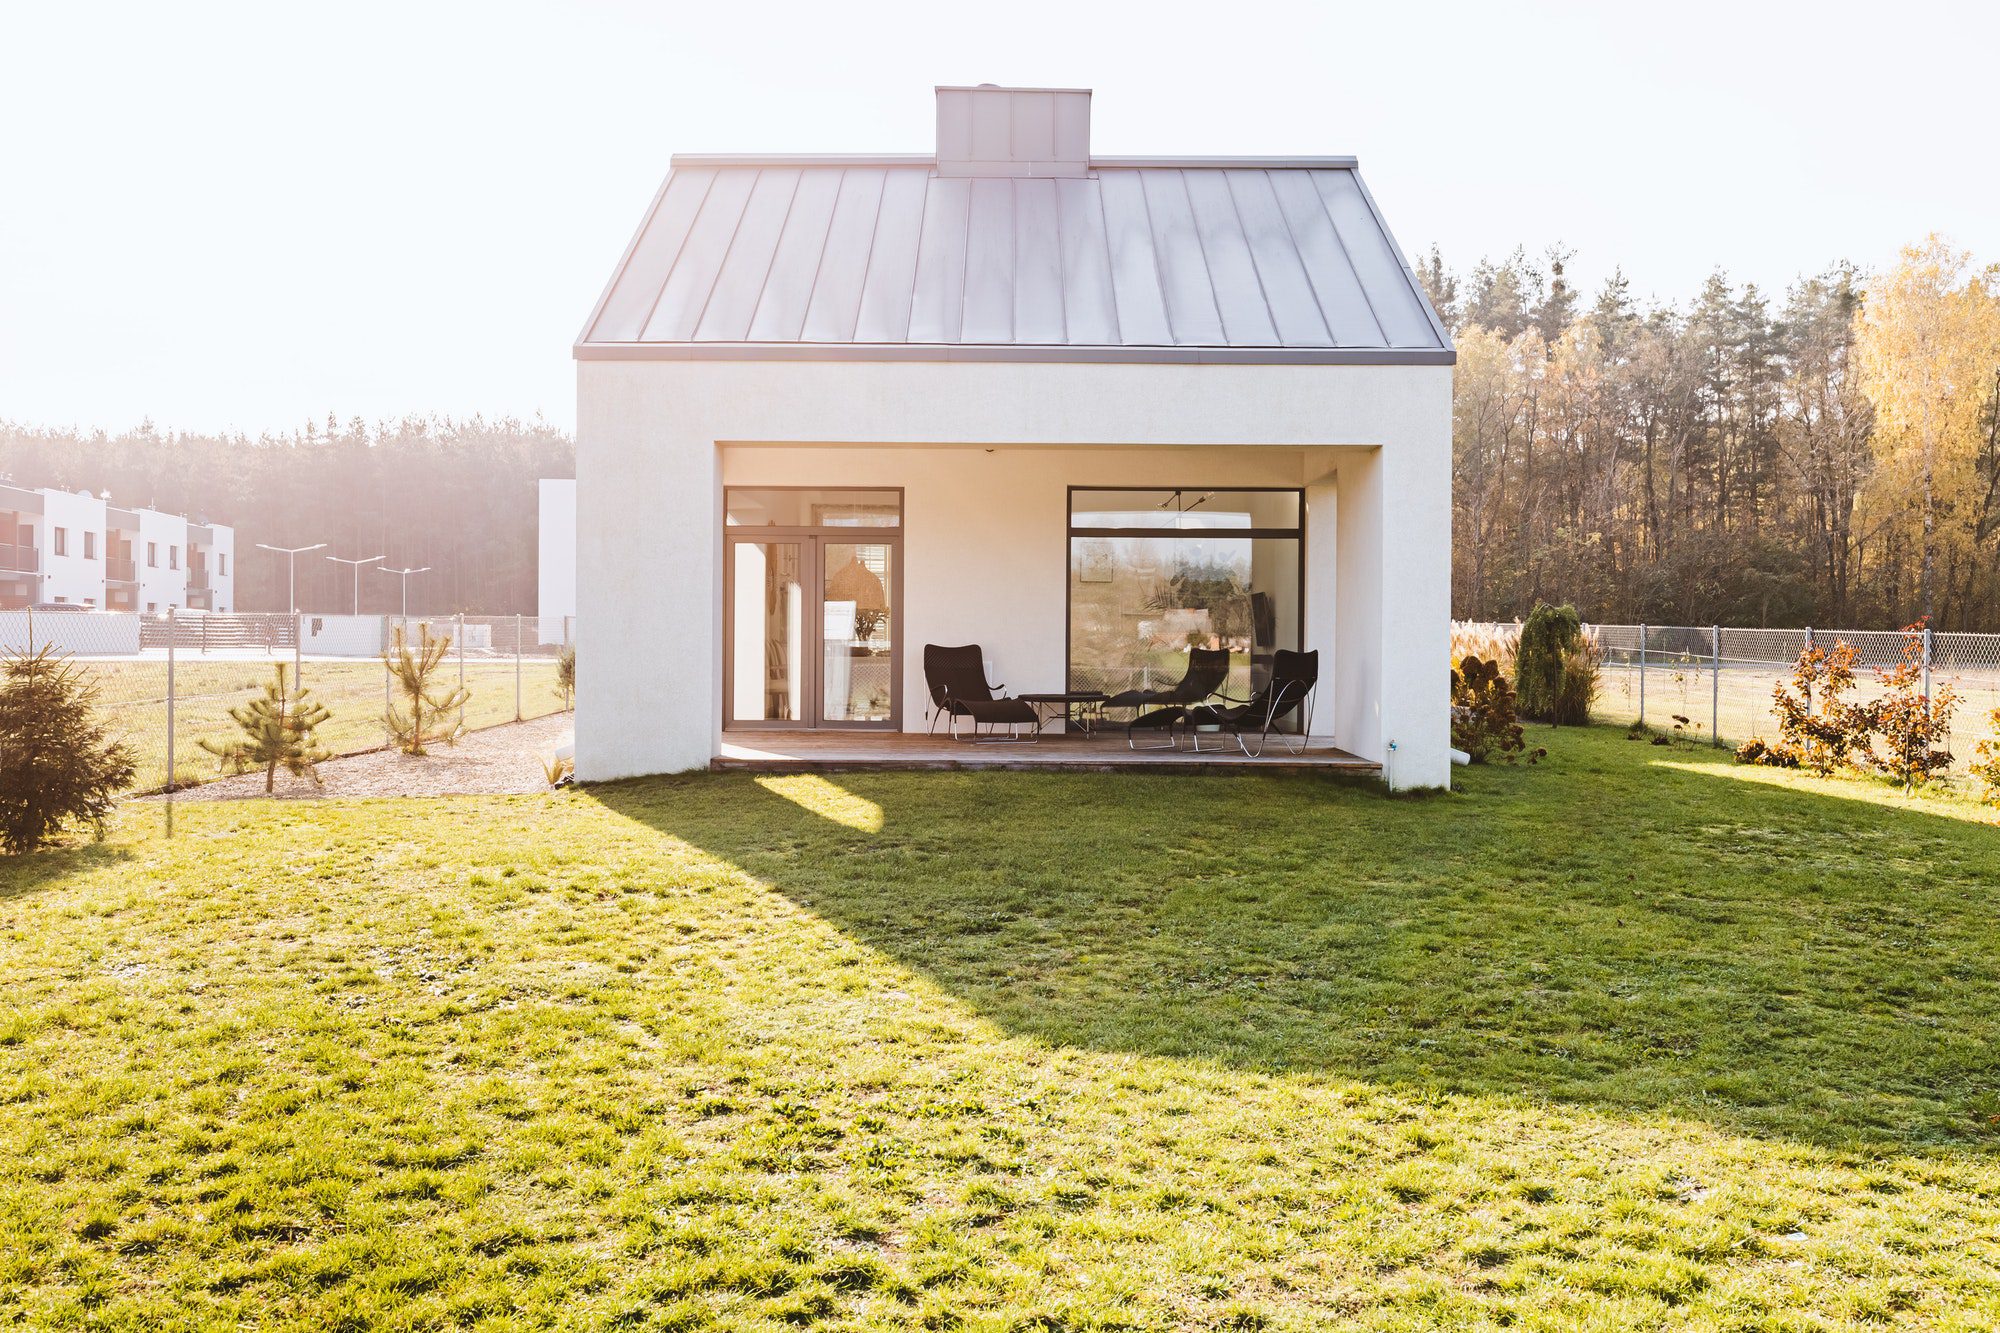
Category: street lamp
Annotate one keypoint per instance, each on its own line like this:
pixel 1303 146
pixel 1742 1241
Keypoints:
pixel 341 559
pixel 294 552
pixel 406 583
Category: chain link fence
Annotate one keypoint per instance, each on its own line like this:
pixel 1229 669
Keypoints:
pixel 165 683
pixel 1721 680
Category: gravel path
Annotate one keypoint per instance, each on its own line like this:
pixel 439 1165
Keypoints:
pixel 492 761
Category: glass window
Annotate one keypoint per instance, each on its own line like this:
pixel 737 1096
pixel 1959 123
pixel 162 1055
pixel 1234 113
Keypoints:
pixel 805 508
pixel 90 546
pixel 1185 510
pixel 1155 573
pixel 62 542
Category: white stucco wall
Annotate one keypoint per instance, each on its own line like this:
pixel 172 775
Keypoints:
pixel 555 571
pixel 161 585
pixel 222 555
pixel 71 577
pixel 656 441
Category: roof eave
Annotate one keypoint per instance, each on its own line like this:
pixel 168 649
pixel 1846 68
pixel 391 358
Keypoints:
pixel 1266 163
pixel 992 352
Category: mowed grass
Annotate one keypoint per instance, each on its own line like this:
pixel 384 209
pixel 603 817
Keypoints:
pixel 132 701
pixel 1633 1039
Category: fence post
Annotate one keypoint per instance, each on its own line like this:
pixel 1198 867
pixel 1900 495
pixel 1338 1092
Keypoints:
pixel 298 650
pixel 1642 674
pixel 388 680
pixel 461 670
pixel 172 634
pixel 1927 664
pixel 517 666
pixel 1715 684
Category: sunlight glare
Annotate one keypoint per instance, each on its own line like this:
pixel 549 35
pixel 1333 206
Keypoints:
pixel 828 800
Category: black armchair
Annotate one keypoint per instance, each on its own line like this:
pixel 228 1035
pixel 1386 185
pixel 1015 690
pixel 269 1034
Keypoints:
pixel 1294 677
pixel 959 689
pixel 1207 668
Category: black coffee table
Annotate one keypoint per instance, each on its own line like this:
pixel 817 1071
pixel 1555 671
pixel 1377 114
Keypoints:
pixel 1088 706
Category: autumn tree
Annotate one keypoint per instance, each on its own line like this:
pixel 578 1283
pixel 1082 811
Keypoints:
pixel 1927 348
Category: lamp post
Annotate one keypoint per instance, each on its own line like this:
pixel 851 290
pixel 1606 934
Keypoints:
pixel 294 552
pixel 341 559
pixel 405 573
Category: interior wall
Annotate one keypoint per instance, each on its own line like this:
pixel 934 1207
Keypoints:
pixel 986 534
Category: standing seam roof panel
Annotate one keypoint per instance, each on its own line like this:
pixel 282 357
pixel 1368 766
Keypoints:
pixel 1349 317
pixel 835 303
pixel 1239 291
pixel 1397 307
pixel 989 265
pixel 1038 263
pixel 693 277
pixel 1135 266
pixel 1090 309
pixel 937 307
pixel 1192 313
pixel 1293 302
pixel 637 287
pixel 740 283
pixel 889 289
pixel 788 287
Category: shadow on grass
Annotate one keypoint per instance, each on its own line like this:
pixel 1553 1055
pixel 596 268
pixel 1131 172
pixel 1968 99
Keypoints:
pixel 1603 930
pixel 31 872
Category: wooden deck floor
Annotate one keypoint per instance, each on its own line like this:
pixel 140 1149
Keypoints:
pixel 835 751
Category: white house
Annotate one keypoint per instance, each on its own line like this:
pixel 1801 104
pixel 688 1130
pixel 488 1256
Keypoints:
pixel 1084 411
pixel 555 569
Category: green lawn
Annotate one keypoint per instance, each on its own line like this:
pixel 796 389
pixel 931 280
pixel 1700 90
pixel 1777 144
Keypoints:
pixel 1633 1039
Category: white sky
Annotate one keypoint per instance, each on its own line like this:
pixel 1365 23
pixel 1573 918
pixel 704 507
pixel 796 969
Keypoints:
pixel 245 216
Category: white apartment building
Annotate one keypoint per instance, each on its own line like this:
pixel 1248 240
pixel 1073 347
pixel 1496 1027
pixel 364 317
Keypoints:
pixel 67 548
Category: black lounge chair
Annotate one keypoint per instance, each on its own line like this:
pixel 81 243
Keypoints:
pixel 958 686
pixel 1294 676
pixel 1207 668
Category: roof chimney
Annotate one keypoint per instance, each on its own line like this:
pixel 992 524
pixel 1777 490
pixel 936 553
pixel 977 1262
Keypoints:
pixel 994 131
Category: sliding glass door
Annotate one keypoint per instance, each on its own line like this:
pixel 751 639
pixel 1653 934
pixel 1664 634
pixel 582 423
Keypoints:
pixel 812 584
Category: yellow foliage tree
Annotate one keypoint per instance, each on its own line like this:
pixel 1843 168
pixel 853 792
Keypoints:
pixel 1927 349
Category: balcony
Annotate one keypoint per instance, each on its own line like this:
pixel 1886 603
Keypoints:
pixel 197 580
pixel 200 599
pixel 23 559
pixel 121 569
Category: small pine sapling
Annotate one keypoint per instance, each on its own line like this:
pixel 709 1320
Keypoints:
pixel 1913 727
pixel 57 767
pixel 424 711
pixel 278 732
pixel 566 674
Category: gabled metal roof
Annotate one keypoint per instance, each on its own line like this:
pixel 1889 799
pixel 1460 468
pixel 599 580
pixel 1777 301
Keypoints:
pixel 1136 259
